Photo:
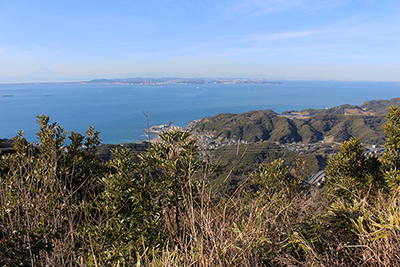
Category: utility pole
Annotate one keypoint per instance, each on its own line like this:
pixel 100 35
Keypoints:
pixel 147 115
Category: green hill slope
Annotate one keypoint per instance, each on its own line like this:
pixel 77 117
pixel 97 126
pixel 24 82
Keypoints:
pixel 251 126
pixel 337 123
pixel 380 107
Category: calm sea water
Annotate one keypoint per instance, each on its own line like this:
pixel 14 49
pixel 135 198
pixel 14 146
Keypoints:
pixel 116 110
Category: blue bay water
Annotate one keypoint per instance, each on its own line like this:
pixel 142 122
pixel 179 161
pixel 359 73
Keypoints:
pixel 116 110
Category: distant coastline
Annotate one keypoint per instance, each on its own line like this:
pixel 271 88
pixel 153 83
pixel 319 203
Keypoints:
pixel 159 81
pixel 117 110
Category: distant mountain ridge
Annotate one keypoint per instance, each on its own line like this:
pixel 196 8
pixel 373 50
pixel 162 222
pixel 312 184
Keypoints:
pixel 380 107
pixel 44 72
pixel 337 124
pixel 41 75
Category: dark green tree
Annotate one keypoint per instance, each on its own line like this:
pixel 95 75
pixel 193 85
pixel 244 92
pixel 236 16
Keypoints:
pixel 391 157
pixel 273 179
pixel 169 168
pixel 352 173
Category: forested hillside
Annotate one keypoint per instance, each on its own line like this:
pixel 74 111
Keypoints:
pixel 61 206
pixel 338 124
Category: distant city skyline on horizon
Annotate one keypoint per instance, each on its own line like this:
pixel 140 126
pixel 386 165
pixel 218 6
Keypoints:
pixel 355 40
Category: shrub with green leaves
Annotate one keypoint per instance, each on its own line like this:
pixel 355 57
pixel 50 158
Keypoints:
pixel 60 206
pixel 352 173
pixel 41 194
pixel 391 158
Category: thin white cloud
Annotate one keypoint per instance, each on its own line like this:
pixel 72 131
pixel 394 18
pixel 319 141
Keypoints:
pixel 368 2
pixel 222 40
pixel 228 8
pixel 361 27
pixel 268 36
pixel 263 7
pixel 227 46
pixel 281 35
pixel 14 51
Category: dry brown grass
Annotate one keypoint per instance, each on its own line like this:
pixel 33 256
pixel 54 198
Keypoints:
pixel 242 231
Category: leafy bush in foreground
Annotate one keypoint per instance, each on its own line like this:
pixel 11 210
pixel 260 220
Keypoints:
pixel 61 206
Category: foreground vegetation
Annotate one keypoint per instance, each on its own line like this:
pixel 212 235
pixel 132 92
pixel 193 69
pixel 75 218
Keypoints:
pixel 61 206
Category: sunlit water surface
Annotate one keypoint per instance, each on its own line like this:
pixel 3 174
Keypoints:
pixel 116 110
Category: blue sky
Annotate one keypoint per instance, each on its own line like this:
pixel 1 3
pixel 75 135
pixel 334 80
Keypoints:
pixel 324 39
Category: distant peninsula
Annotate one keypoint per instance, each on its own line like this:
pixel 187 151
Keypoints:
pixel 165 81
pixel 162 81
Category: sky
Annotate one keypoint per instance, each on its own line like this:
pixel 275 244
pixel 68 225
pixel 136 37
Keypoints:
pixel 305 39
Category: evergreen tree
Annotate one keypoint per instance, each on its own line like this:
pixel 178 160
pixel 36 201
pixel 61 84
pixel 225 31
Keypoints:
pixel 391 157
pixel 352 173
